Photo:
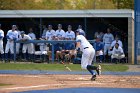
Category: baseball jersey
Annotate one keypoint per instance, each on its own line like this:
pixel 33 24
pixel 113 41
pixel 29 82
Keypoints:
pixel 12 34
pixel 1 33
pixel 32 35
pixel 117 51
pixel 27 37
pixel 70 35
pixel 108 38
pixel 60 33
pixel 114 42
pixel 84 42
pixel 98 46
pixel 50 34
pixel 44 33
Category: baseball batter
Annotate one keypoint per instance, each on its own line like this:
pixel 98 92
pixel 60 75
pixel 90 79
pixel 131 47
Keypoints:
pixel 87 55
pixel 11 36
pixel 1 43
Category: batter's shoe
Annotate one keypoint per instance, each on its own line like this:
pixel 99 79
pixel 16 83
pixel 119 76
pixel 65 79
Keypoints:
pixel 99 70
pixel 93 78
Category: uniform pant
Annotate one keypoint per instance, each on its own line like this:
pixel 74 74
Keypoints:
pixel 87 57
pixel 107 48
pixel 1 47
pixel 9 46
pixel 117 56
pixel 17 48
pixel 28 47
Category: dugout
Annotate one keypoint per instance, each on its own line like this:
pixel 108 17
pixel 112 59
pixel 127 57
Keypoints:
pixel 121 21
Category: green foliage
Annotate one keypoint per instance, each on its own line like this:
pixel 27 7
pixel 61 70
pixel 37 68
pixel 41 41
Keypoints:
pixel 65 4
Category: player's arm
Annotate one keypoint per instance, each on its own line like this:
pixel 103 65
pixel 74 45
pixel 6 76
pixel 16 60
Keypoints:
pixel 2 35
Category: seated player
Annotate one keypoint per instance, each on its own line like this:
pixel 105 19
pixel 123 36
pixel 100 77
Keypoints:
pixel 99 46
pixel 117 52
pixel 69 47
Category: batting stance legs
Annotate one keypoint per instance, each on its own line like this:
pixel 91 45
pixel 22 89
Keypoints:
pixel 86 62
pixel 88 54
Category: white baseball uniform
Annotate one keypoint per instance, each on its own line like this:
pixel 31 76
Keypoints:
pixel 50 34
pixel 28 46
pixel 60 34
pixel 117 53
pixel 107 39
pixel 33 37
pixel 10 41
pixel 70 35
pixel 87 49
pixel 1 41
pixel 114 42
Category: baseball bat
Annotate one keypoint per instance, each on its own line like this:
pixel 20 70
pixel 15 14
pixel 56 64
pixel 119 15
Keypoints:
pixel 66 66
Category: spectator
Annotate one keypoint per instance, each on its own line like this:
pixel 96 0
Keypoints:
pixel 117 52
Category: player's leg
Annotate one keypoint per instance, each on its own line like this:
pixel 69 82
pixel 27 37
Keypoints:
pixel 24 49
pixel 97 68
pixel 31 51
pixel 1 50
pixel 7 50
pixel 85 61
pixel 12 50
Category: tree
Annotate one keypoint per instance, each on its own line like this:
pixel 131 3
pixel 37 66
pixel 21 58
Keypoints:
pixel 124 4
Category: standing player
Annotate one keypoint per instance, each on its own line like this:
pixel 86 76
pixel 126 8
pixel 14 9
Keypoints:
pixel 87 55
pixel 33 37
pixel 12 35
pixel 1 43
pixel 107 39
pixel 28 46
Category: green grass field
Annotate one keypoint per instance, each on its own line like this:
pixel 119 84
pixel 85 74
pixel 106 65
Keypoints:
pixel 58 67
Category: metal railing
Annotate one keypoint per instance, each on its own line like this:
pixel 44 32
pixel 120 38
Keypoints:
pixel 52 42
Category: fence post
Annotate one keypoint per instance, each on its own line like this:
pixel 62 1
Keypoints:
pixel 52 52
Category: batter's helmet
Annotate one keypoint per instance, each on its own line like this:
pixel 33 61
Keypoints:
pixel 22 32
pixel 81 32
